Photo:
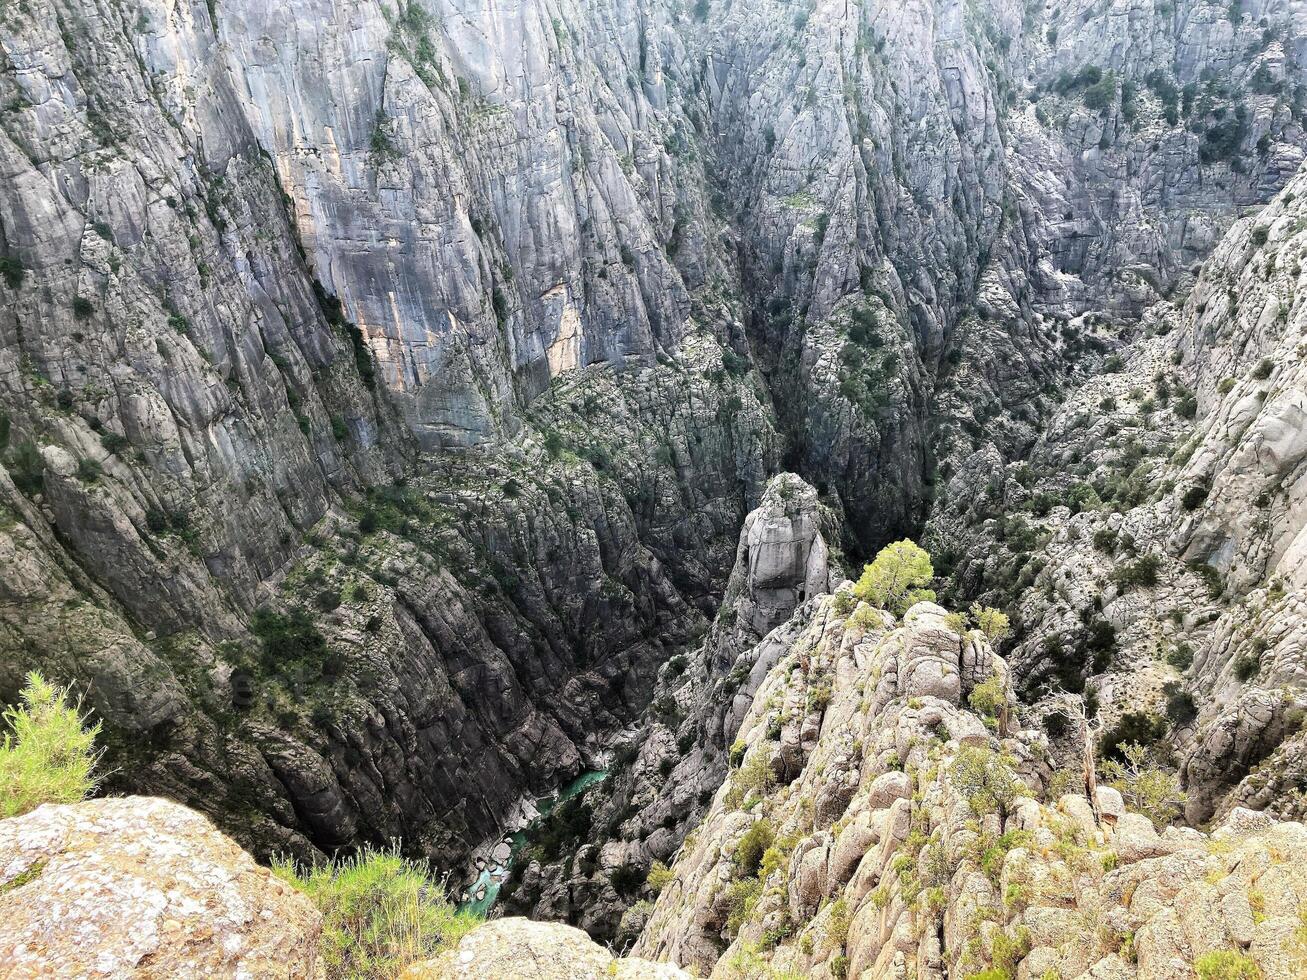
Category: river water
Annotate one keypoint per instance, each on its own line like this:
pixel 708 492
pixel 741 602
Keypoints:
pixel 481 896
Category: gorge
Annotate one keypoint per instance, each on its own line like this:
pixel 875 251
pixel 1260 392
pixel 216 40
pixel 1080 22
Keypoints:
pixel 409 406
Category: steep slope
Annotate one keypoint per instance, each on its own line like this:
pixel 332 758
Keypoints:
pixel 1150 539
pixel 195 428
pixel 944 207
pixel 668 766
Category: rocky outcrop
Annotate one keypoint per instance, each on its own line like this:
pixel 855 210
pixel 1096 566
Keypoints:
pixel 918 837
pixel 143 887
pixel 535 951
pixel 666 773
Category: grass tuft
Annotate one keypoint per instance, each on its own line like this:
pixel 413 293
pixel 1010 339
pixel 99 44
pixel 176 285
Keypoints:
pixel 380 913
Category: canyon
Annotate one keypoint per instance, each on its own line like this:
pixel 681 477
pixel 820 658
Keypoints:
pixel 408 406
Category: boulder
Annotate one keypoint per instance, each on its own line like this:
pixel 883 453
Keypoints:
pixel 114 887
pixel 526 950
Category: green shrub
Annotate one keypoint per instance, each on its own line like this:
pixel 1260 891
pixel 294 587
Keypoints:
pixel 288 640
pixel 754 776
pixel 752 846
pixel 382 141
pixel 1141 573
pixel 736 752
pixel 741 896
pixel 1105 540
pixel 82 307
pixel 113 442
pixel 992 622
pixel 12 271
pixel 48 754
pixel 1223 139
pixel 1247 666
pixel 1227 964
pixel 328 600
pixel 1181 657
pixel 89 470
pixel 1263 369
pixel 27 468
pixel 1180 706
pixel 896 577
pixel 569 822
pixel 660 876
pixel 626 879
pixel 1135 727
pixel 988 698
pixel 1101 94
pixel 380 913
pixel 987 780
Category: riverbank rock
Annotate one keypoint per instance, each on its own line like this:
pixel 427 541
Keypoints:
pixel 141 886
pixel 530 950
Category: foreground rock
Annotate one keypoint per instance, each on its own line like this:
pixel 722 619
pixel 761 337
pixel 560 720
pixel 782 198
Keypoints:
pixel 529 950
pixel 136 885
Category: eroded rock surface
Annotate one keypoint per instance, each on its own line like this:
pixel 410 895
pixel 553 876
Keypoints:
pixel 143 887
pixel 877 864
pixel 465 336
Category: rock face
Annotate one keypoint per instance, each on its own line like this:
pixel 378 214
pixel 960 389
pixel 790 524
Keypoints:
pixel 1154 557
pixel 880 861
pixel 143 887
pixel 535 951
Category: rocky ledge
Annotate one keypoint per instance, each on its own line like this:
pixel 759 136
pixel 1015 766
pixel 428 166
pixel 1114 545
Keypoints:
pixel 143 886
pixel 138 886
pixel 889 814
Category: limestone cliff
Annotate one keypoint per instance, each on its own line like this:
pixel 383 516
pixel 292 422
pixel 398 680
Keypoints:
pixel 1150 539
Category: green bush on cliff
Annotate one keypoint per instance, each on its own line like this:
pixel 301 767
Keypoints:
pixel 380 913
pixel 1146 786
pixel 49 752
pixel 896 577
pixel 752 846
pixel 986 780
